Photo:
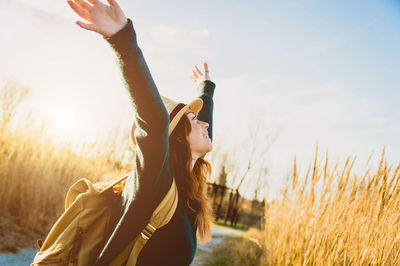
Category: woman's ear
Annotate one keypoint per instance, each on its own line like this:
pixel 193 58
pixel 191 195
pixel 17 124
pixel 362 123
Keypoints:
pixel 179 139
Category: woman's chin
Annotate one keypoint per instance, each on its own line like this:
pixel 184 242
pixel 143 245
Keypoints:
pixel 209 148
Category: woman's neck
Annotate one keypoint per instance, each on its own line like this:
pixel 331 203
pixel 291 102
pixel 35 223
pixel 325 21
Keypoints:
pixel 192 163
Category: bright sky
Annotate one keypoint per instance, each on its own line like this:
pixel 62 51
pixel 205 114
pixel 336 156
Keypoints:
pixel 325 72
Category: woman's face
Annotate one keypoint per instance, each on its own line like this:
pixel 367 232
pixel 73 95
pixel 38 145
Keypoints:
pixel 198 138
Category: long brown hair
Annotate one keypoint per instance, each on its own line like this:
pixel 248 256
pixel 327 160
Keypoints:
pixel 192 184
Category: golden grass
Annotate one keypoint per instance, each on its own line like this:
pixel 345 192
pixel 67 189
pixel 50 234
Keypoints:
pixel 336 218
pixel 36 171
pixel 35 174
pixel 331 217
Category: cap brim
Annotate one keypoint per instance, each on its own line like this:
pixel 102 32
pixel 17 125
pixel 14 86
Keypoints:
pixel 194 105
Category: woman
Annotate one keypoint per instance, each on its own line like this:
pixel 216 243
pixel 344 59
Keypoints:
pixel 170 140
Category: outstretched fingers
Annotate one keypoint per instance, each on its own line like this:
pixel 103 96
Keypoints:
pixel 79 10
pixel 206 73
pixel 198 71
pixel 100 17
pixel 205 65
pixel 86 26
pixel 112 3
pixel 194 74
pixel 94 2
pixel 84 5
pixel 197 74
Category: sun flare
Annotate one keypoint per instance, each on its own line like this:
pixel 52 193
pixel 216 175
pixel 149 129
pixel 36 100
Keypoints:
pixel 62 122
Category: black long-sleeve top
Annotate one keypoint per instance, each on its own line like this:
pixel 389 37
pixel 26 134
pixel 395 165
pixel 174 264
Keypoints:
pixel 152 175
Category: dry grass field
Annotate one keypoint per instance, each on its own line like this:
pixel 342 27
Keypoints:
pixel 335 217
pixel 37 168
pixel 35 173
pixel 330 216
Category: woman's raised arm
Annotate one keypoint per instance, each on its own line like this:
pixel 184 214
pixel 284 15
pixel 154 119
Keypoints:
pixel 111 22
pixel 206 92
pixel 151 176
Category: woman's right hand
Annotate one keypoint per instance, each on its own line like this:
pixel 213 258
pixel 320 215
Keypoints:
pixel 198 76
pixel 103 19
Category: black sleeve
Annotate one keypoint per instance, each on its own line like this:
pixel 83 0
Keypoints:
pixel 206 90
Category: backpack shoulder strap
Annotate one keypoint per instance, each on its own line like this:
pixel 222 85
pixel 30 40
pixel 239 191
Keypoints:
pixel 119 180
pixel 161 216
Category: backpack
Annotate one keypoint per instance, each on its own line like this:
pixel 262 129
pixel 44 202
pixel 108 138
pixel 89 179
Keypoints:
pixel 81 232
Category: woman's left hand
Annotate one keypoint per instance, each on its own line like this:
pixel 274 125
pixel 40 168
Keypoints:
pixel 103 19
pixel 198 76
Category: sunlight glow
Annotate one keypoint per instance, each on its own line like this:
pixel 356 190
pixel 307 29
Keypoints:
pixel 62 123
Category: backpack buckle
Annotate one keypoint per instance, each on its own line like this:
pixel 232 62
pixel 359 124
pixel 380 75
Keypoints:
pixel 148 231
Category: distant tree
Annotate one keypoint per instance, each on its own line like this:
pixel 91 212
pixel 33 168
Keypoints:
pixel 223 174
pixel 256 148
pixel 247 159
pixel 242 163
pixel 259 184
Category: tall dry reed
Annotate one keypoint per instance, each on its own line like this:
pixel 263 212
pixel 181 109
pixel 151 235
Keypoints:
pixel 334 217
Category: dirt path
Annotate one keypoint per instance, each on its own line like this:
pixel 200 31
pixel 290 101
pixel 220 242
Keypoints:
pixel 219 233
pixel 25 257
